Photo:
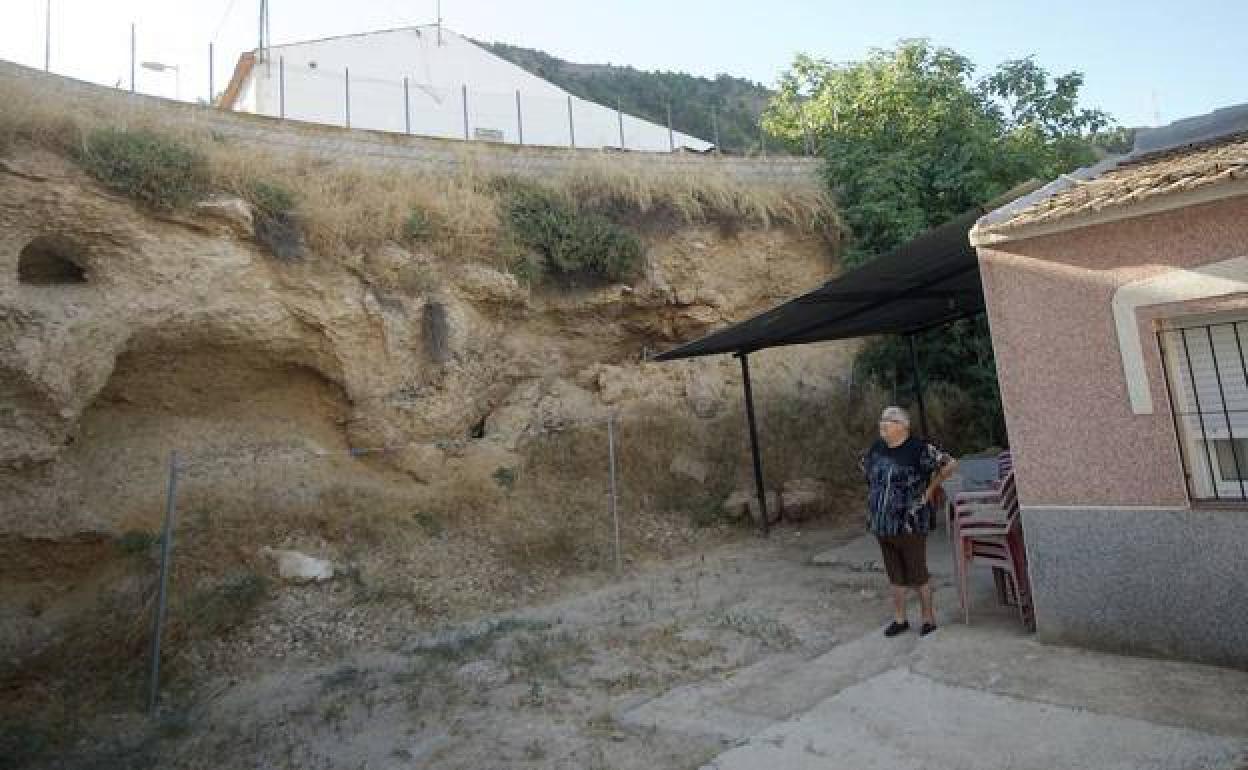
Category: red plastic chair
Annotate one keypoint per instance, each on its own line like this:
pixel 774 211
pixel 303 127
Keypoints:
pixel 988 532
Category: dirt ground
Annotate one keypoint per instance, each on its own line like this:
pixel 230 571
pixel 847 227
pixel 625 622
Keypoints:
pixel 540 686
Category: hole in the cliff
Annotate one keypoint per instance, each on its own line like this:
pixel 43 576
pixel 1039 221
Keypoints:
pixel 478 429
pixel 51 260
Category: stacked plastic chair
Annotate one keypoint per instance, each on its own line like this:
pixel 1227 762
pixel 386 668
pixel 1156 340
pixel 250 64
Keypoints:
pixel 985 528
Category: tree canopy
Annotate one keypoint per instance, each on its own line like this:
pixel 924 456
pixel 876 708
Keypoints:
pixel 912 138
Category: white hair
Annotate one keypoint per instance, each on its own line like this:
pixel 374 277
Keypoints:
pixel 895 414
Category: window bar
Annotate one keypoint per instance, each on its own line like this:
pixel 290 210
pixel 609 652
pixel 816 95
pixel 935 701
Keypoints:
pixel 1239 347
pixel 1200 415
pixel 1184 461
pixel 1226 413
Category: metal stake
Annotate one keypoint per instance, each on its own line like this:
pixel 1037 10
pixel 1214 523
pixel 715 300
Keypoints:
pixel 166 551
pixel 519 120
pixel 715 130
pixel 347 82
pixel 918 386
pixel 615 514
pixel 47 40
pixel 407 108
pixel 758 462
pixel 281 89
pixel 132 54
pixel 212 88
pixel 465 100
pixel 671 138
pixel 571 125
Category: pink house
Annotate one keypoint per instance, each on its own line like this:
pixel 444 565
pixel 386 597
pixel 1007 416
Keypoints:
pixel 1118 302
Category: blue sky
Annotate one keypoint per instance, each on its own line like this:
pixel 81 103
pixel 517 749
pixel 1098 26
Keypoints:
pixel 1141 59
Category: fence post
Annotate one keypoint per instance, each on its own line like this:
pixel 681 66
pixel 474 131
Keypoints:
pixel 671 138
pixel 407 108
pixel 615 514
pixel 571 125
pixel 212 88
pixel 465 100
pixel 166 552
pixel 132 54
pixel 347 82
pixel 619 112
pixel 715 129
pixel 281 89
pixel 519 119
pixel 762 138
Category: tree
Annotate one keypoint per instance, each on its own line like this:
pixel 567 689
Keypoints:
pixel 911 139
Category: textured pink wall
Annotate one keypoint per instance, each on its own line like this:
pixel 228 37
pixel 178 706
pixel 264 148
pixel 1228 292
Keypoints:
pixel 1069 419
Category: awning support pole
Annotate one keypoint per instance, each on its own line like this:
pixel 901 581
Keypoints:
pixel 918 386
pixel 758 463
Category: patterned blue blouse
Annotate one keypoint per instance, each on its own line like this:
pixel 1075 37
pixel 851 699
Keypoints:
pixel 896 478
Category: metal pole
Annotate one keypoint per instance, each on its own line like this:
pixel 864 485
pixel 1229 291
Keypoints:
pixel 671 138
pixel 918 386
pixel 347 71
pixel 212 87
pixel 758 462
pixel 519 119
pixel 571 125
pixel 810 139
pixel 465 100
pixel 281 87
pixel 407 108
pixel 762 139
pixel 619 113
pixel 615 514
pixel 132 57
pixel 166 550
pixel 715 129
pixel 47 39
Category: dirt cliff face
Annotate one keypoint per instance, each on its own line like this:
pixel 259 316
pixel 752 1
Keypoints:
pixel 125 335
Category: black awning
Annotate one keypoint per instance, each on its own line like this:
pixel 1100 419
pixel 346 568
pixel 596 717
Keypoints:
pixel 932 280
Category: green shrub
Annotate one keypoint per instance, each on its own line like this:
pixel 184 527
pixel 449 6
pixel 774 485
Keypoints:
pixel 155 170
pixel 571 244
pixel 417 227
pixel 276 225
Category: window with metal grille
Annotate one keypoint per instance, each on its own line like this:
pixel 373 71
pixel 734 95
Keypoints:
pixel 1207 380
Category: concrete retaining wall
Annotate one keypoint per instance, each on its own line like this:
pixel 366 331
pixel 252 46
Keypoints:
pixel 421 153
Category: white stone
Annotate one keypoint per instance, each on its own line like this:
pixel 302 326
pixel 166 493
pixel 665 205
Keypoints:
pixel 298 567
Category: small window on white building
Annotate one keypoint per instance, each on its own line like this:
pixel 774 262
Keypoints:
pixel 1207 379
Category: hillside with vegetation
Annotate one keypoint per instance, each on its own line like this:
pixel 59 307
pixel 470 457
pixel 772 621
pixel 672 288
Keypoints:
pixel 736 102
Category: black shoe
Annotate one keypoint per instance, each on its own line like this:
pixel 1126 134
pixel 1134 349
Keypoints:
pixel 895 628
pixel 927 629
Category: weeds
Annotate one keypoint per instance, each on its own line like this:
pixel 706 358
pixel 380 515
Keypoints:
pixel 151 168
pixel 572 245
pixel 771 632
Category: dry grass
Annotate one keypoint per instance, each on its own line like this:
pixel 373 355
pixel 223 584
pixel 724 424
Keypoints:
pixel 349 208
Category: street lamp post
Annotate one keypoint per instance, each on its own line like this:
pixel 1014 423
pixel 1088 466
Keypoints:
pixel 156 66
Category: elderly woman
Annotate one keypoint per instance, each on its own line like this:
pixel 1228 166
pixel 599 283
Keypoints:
pixel 903 474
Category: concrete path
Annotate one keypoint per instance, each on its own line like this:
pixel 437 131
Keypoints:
pixel 985 695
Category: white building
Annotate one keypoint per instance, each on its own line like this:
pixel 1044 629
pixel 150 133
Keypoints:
pixel 454 88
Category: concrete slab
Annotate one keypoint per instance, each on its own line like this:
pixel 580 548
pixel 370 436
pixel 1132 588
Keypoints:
pixel 901 720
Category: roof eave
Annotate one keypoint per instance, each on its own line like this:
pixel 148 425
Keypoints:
pixel 981 236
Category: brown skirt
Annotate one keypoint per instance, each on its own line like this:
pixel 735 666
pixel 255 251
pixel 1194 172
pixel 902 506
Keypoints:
pixel 905 559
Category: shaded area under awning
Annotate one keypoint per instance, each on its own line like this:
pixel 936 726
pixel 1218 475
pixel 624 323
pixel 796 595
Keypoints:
pixel 926 283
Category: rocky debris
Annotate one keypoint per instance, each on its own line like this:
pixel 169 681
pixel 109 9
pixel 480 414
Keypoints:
pixel 235 212
pixel 483 673
pixel 801 499
pixel 744 503
pixel 684 465
pixel 298 567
